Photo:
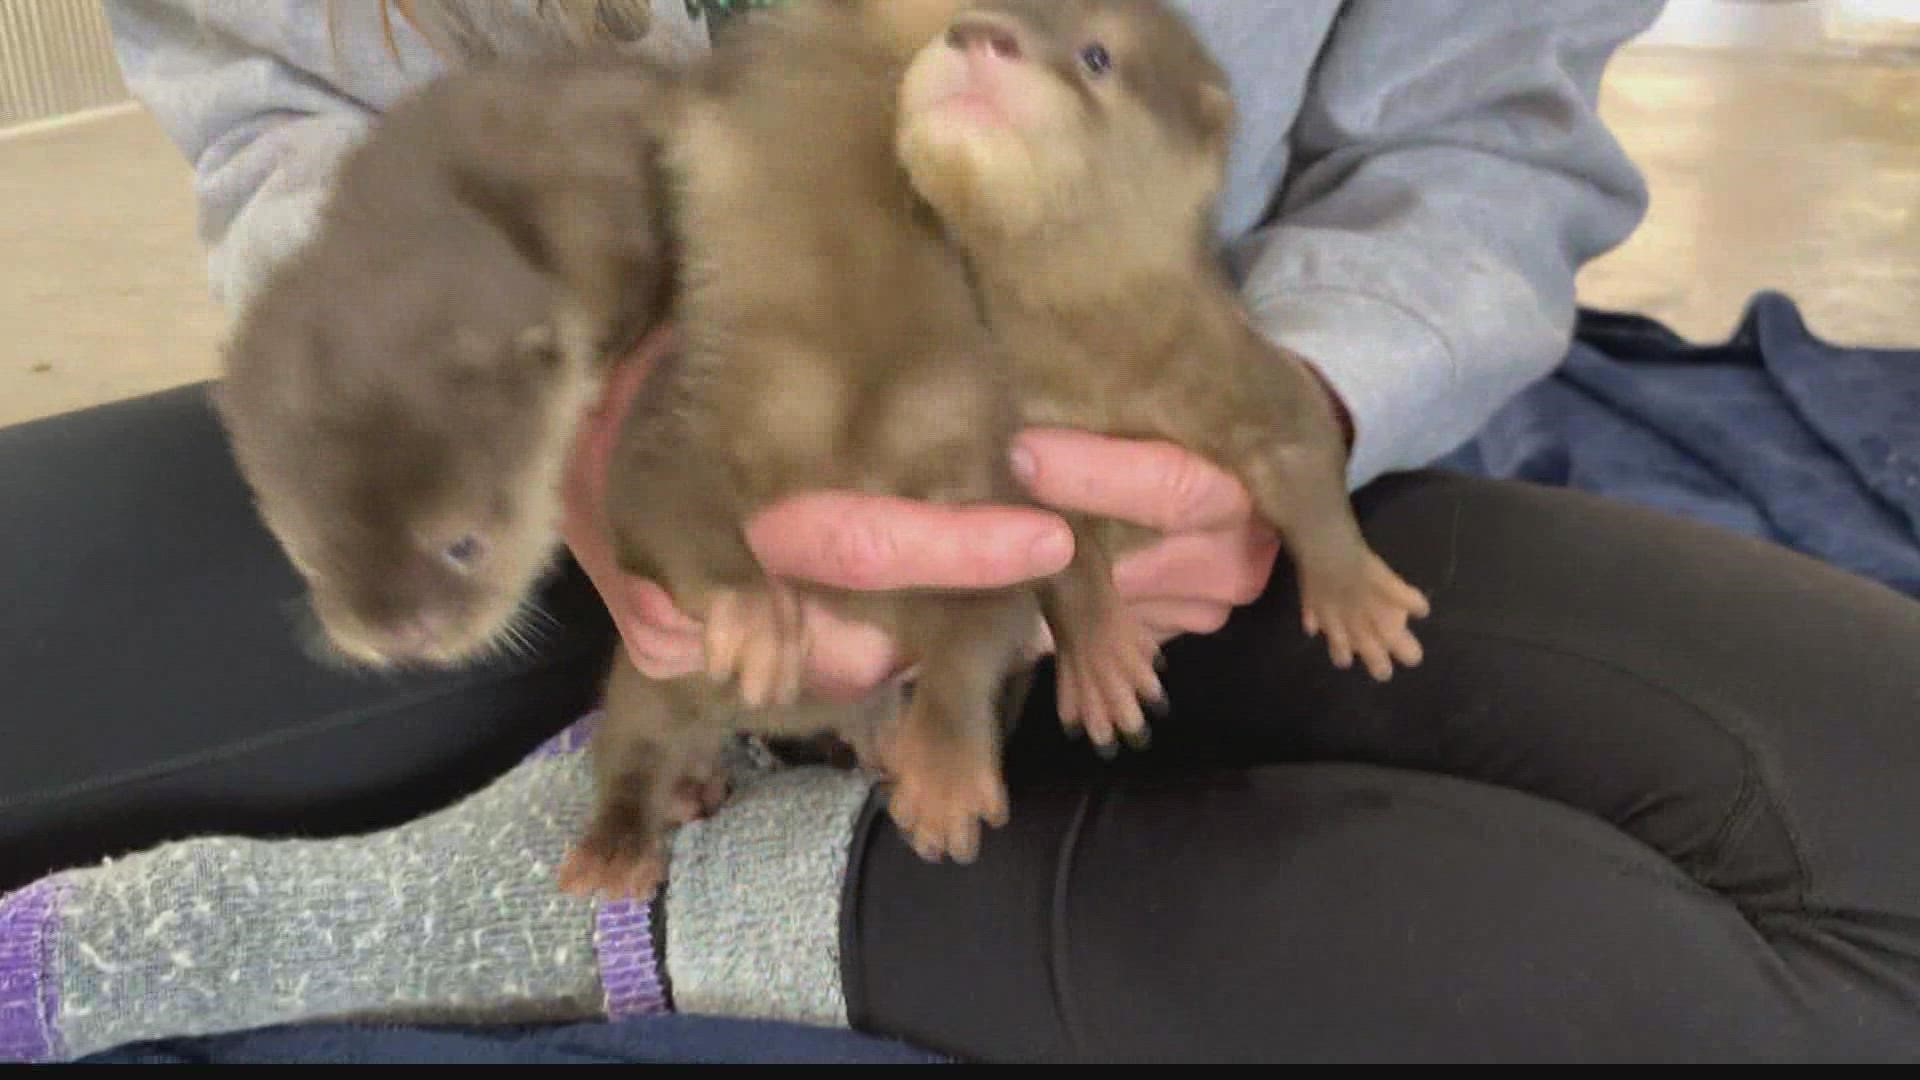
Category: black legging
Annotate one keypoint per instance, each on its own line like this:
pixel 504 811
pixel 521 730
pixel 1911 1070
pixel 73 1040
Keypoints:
pixel 1655 794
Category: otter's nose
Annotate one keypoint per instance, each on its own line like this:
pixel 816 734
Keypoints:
pixel 986 36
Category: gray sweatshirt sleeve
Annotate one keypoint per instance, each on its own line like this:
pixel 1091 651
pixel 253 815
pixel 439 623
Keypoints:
pixel 1449 177
pixel 264 98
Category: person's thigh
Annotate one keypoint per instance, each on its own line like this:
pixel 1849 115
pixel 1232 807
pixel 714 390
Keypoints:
pixel 156 681
pixel 1330 912
pixel 1748 714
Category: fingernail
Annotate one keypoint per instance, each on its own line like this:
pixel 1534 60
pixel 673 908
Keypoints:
pixel 1024 466
pixel 1053 549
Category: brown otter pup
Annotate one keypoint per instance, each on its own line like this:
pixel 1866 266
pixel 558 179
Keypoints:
pixel 831 340
pixel 1074 149
pixel 401 394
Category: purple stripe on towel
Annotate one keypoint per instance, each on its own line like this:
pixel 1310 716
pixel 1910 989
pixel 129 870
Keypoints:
pixel 28 996
pixel 629 971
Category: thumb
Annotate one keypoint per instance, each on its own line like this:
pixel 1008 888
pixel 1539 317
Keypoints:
pixel 1153 483
pixel 866 542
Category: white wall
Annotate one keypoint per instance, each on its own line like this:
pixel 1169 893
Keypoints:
pixel 1770 24
pixel 1786 25
pixel 56 57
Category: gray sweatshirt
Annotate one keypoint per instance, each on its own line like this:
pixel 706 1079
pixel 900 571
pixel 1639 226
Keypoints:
pixel 1413 186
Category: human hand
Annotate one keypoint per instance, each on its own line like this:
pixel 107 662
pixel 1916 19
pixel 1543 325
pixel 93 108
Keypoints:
pixel 1214 554
pixel 839 539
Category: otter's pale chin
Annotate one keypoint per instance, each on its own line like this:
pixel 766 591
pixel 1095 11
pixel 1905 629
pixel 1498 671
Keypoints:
pixel 347 640
pixel 984 181
pixel 348 648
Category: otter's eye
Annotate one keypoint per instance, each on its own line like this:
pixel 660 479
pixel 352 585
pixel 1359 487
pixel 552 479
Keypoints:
pixel 1096 59
pixel 464 552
